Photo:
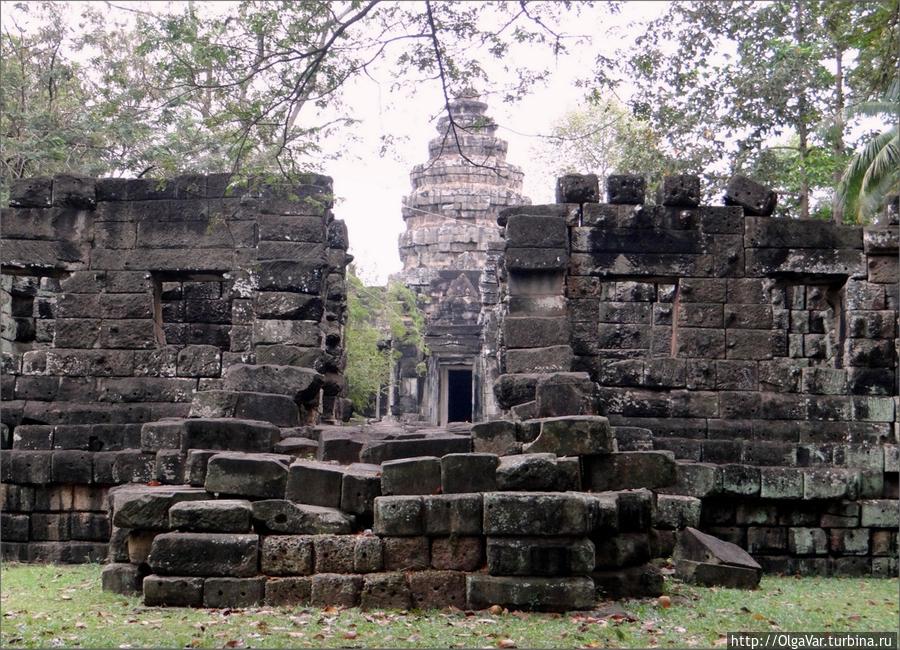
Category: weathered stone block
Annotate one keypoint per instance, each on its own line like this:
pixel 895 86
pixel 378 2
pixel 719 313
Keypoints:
pixel 529 593
pixel 437 589
pixel 461 473
pixel 535 332
pixel 632 582
pixel 218 516
pixel 368 554
pixel 624 549
pixel 205 554
pixel 360 485
pixel 334 553
pixel 120 578
pixel 286 555
pixel 682 190
pixel 250 475
pixel 146 507
pixel 233 592
pixel 406 553
pixel 830 483
pixel 336 590
pixel 849 541
pixel 315 483
pixel 286 517
pixel 539 556
pixel 676 512
pixel 880 513
pixel 453 514
pixel 385 591
pixel 625 189
pixel 288 591
pixel 740 480
pixel 457 553
pixel 632 469
pixel 165 591
pixel 411 476
pixel 754 198
pixel 535 513
pixel 399 515
pixel 495 437
pixel 300 384
pixel 529 472
pixel 780 483
pixel 578 188
pixel 807 541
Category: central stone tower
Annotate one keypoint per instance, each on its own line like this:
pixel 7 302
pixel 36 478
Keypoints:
pixel 450 252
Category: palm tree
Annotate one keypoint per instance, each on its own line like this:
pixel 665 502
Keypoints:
pixel 873 173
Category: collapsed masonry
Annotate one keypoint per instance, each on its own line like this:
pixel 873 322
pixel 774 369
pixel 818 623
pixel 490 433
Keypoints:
pixel 612 307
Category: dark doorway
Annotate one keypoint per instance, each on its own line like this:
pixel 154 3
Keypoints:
pixel 459 395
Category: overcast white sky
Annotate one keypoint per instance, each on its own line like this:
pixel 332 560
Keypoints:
pixel 370 187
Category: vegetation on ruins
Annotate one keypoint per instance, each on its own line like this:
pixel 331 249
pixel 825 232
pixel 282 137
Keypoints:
pixel 379 319
pixel 724 81
pixel 251 88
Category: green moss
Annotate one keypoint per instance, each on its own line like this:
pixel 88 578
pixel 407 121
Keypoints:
pixel 45 606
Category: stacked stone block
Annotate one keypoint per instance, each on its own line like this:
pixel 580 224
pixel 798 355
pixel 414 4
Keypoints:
pixel 134 313
pixel 750 346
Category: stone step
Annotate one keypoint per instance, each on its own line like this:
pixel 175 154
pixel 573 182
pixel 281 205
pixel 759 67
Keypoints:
pixel 280 410
pixel 213 433
pixel 300 384
pixel 378 451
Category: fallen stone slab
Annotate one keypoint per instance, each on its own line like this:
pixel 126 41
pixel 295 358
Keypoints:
pixel 248 475
pixel 300 384
pixel 340 446
pixel 286 517
pixel 573 436
pixel 710 560
pixel 205 554
pixel 147 507
pixel 709 574
pixel 122 578
pixel 213 516
pixel 755 199
pixel 529 593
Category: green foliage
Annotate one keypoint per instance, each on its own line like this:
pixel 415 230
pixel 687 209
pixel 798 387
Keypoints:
pixel 377 317
pixel 604 138
pixel 250 87
pixel 873 173
pixel 724 80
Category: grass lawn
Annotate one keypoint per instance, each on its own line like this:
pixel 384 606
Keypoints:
pixel 62 606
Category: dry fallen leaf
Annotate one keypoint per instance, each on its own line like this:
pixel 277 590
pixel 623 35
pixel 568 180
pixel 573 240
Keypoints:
pixel 506 643
pixel 495 610
pixel 351 634
pixel 665 602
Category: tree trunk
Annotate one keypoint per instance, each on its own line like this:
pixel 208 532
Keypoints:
pixel 837 207
pixel 802 127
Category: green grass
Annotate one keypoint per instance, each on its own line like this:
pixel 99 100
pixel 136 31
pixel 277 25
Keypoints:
pixel 47 606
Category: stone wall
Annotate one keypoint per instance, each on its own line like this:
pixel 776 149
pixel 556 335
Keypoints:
pixel 127 301
pixel 762 352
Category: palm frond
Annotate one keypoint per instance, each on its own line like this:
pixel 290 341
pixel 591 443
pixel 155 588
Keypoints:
pixel 851 186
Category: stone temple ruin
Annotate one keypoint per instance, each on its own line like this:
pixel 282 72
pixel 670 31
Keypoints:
pixel 707 383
